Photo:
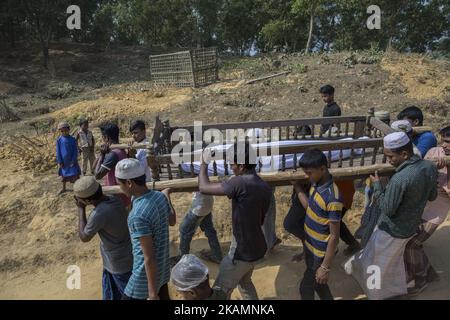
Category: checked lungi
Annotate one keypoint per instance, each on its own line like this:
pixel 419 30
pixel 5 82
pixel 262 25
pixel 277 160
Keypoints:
pixel 416 260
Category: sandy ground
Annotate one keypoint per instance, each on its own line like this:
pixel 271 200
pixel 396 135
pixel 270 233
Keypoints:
pixel 38 229
pixel 35 257
pixel 276 278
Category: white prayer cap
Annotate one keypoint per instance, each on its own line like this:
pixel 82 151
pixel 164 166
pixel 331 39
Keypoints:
pixel 85 187
pixel 396 140
pixel 188 273
pixel 129 169
pixel 402 125
pixel 63 125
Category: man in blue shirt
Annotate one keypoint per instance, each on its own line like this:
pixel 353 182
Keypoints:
pixel 423 141
pixel 148 222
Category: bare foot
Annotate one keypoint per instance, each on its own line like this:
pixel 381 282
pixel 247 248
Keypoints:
pixel 298 257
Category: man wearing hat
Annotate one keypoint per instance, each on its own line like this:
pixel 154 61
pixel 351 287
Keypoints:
pixel 67 156
pixel 148 222
pixel 379 267
pixel 423 141
pixel 405 126
pixel 190 277
pixel 109 220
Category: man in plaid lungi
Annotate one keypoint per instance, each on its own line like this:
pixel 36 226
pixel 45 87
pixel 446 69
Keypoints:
pixel 418 267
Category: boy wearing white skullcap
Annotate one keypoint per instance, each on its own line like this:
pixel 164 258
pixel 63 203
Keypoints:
pixel 148 222
pixel 108 219
pixel 191 279
pixel 401 204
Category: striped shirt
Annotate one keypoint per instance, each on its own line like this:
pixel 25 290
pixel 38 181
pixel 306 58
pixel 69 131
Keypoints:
pixel 149 217
pixel 324 205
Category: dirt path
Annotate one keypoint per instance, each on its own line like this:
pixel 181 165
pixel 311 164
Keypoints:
pixel 276 278
pixel 38 229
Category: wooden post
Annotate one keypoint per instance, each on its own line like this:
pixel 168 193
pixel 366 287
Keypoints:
pixel 194 80
pixel 370 114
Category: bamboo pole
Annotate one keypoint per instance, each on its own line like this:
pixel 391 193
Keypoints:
pixel 419 130
pixel 274 179
pixel 127 146
pixel 267 77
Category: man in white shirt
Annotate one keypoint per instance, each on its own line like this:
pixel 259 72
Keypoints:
pixel 199 215
pixel 137 130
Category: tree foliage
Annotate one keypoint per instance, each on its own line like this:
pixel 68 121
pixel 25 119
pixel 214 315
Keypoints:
pixel 232 25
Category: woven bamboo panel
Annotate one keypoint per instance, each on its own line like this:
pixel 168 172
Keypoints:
pixel 205 66
pixel 193 68
pixel 172 69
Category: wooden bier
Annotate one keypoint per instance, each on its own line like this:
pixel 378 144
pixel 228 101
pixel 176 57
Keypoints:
pixel 283 178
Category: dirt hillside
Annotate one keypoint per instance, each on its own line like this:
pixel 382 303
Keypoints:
pixel 38 229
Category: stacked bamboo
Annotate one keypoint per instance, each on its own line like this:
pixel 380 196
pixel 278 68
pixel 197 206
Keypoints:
pixel 35 154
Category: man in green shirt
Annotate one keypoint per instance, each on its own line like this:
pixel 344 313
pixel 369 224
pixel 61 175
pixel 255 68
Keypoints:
pixel 407 193
pixel 379 267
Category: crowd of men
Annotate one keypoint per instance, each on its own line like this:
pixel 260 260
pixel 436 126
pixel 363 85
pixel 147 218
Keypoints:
pixel 401 213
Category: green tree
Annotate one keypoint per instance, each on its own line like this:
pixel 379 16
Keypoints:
pixel 238 24
pixel 45 17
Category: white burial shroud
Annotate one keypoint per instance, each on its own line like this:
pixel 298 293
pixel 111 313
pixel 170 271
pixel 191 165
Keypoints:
pixel 269 163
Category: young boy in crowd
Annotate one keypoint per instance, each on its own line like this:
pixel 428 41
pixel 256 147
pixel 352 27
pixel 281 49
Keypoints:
pixel 108 159
pixel 137 130
pixel 67 156
pixel 294 220
pixel 150 217
pixel 109 220
pixel 86 145
pixel 423 141
pixel 331 108
pixel 419 268
pixel 323 204
pixel 250 197
pixel 190 277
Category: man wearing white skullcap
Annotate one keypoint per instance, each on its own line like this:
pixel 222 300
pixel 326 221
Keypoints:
pixel 405 126
pixel 401 205
pixel 149 219
pixel 109 221
pixel 191 279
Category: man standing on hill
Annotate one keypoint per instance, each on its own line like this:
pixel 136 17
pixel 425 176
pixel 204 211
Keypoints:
pixel 331 108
